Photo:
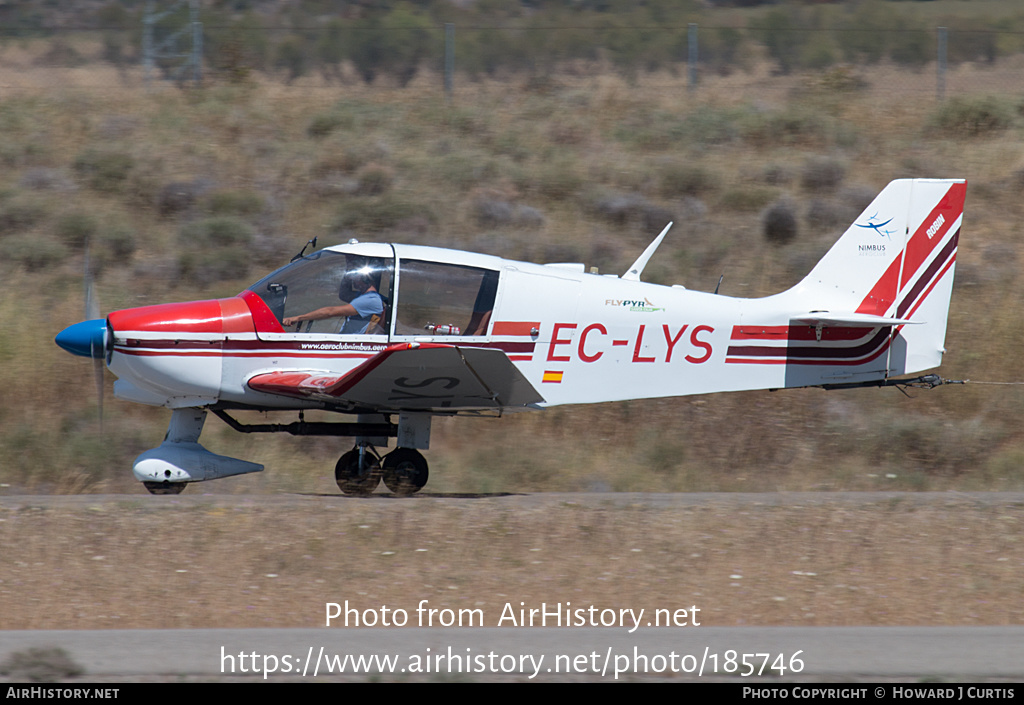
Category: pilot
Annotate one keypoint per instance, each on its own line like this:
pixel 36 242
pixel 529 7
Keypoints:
pixel 358 313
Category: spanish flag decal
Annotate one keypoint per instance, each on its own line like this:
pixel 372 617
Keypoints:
pixel 550 376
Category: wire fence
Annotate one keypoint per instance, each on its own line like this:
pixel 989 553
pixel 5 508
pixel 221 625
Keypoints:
pixel 941 61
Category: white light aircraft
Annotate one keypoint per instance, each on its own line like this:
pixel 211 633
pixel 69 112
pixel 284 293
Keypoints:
pixel 397 334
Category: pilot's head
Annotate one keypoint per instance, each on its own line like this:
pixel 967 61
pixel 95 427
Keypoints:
pixel 359 279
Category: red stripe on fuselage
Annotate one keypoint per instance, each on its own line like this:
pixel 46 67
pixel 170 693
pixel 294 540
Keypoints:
pixel 514 327
pixel 796 332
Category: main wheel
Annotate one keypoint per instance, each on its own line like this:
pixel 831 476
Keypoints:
pixel 165 487
pixel 405 471
pixel 354 478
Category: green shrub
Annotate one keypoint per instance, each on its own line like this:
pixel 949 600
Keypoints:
pixel 202 267
pixel 374 179
pixel 240 203
pixel 32 252
pixel 687 179
pixel 61 55
pixel 556 180
pixel 376 214
pixel 75 229
pixel 973 116
pixel 915 48
pixel 115 244
pixel 236 47
pixel 19 215
pixel 709 125
pixel 748 198
pixel 657 130
pixel 841 79
pixel 463 169
pixel 822 173
pixel 292 57
pixel 217 231
pixel 104 170
pixel 784 38
pixel 793 125
pixel 325 123
pixel 819 52
pixel 864 36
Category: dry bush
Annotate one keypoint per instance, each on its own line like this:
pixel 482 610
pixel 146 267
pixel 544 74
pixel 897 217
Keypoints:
pixel 76 229
pixel 822 173
pixel 687 179
pixel 40 665
pixel 19 215
pixel 179 196
pixel 104 170
pixel 748 198
pixel 779 223
pixel 47 179
pixel 825 213
pixel 374 179
pixel 974 117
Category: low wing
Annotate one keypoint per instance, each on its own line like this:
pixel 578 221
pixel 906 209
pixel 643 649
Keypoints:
pixel 414 377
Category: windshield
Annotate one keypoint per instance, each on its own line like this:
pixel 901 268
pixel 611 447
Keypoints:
pixel 330 292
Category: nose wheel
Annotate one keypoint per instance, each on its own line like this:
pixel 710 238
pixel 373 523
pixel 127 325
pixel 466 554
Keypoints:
pixel 405 471
pixel 358 471
pixel 165 487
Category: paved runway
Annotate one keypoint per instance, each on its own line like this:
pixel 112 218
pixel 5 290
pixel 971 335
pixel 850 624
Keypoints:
pixel 805 654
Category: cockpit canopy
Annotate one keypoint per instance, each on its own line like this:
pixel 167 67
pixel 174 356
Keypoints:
pixel 322 279
pixel 426 298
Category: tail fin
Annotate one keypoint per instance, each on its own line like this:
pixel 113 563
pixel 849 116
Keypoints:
pixel 891 276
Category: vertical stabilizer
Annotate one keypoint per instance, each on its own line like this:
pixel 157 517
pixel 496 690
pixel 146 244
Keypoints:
pixel 894 262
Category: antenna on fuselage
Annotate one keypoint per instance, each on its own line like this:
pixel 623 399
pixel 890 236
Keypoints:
pixel 634 272
pixel 302 253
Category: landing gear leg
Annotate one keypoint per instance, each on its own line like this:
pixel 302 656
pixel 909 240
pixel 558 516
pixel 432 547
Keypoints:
pixel 358 471
pixel 405 471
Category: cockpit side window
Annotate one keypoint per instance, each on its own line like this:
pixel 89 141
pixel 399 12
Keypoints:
pixel 444 299
pixel 311 294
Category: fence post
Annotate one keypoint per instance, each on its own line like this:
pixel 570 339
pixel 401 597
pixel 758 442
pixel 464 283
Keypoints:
pixel 449 59
pixel 197 52
pixel 197 42
pixel 940 78
pixel 692 58
pixel 147 43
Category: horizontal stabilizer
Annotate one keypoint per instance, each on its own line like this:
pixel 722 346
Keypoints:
pixel 850 320
pixel 413 377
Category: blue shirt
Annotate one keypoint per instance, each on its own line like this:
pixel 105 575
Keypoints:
pixel 367 305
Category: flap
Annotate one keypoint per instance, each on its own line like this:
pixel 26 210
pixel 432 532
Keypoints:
pixel 414 377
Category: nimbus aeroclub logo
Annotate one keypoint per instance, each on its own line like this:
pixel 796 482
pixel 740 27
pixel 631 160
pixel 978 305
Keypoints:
pixel 644 305
pixel 875 249
pixel 879 227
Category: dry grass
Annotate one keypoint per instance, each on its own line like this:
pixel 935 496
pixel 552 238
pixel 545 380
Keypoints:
pixel 558 149
pixel 226 562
